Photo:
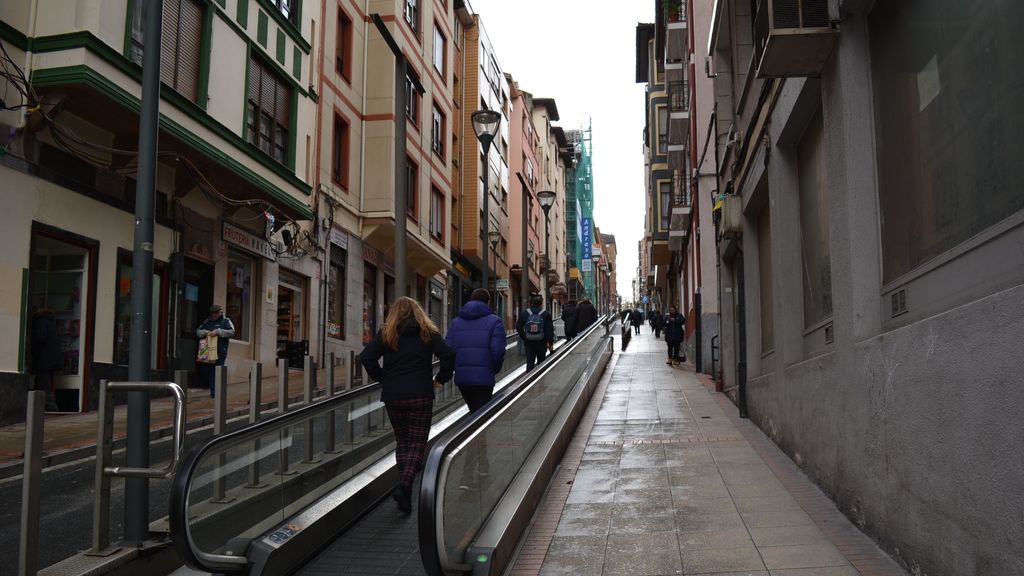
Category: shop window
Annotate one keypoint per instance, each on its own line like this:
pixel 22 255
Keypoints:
pixel 238 303
pixel 123 312
pixel 336 286
pixel 181 43
pixel 268 113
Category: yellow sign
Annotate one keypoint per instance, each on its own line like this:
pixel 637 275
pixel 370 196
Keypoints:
pixel 574 273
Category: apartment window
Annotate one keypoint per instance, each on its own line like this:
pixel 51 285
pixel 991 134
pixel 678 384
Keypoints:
pixel 436 213
pixel 411 186
pixel 181 43
pixel 269 110
pixel 343 50
pixel 412 14
pixel 529 171
pixel 946 88
pixel 440 51
pixel 412 98
pixel 336 286
pixel 289 9
pixel 438 131
pixel 339 164
pixel 764 260
pixel 457 32
pixel 665 202
pixel 662 129
pixel 814 232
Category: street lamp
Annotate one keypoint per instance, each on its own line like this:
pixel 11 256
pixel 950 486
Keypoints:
pixel 596 258
pixel 547 200
pixel 485 125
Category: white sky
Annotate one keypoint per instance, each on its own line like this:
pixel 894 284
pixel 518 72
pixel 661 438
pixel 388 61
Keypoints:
pixel 582 53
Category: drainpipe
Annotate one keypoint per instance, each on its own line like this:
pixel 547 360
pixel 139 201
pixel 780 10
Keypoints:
pixel 741 319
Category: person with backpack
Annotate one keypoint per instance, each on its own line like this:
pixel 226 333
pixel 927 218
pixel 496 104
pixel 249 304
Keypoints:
pixel 536 332
pixel 570 317
pixel 478 338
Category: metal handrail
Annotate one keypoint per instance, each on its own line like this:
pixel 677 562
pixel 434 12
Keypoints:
pixel 435 468
pixel 178 438
pixel 180 493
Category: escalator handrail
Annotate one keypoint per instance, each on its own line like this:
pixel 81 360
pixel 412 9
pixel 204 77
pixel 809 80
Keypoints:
pixel 182 480
pixel 434 464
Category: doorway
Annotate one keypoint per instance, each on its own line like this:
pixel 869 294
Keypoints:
pixel 196 299
pixel 291 338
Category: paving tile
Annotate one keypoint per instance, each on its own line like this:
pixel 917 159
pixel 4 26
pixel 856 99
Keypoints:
pixel 787 535
pixel 803 556
pixel 641 518
pixel 641 554
pixel 705 560
pixel 819 571
pixel 767 504
pixel 727 537
pixel 584 520
pixel 772 519
pixel 573 555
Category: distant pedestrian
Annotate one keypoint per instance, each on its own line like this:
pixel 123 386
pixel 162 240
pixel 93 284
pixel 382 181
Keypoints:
pixel 407 342
pixel 478 338
pixel 47 359
pixel 536 332
pixel 656 320
pixel 636 318
pixel 586 315
pixel 571 320
pixel 675 330
pixel 215 333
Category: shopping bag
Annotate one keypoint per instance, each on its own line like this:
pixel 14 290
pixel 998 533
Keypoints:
pixel 208 349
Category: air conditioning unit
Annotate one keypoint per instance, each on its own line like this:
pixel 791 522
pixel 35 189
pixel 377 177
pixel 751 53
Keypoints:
pixel 732 216
pixel 793 38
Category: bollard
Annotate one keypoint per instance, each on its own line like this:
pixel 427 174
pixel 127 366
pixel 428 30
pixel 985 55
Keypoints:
pixel 220 417
pixel 28 557
pixel 355 370
pixel 104 452
pixel 282 407
pixel 308 389
pixel 329 421
pixel 181 379
pixel 255 400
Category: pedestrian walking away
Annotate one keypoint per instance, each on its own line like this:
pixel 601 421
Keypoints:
pixel 47 358
pixel 407 343
pixel 637 319
pixel 656 321
pixel 570 319
pixel 536 332
pixel 586 315
pixel 215 333
pixel 478 338
pixel 675 330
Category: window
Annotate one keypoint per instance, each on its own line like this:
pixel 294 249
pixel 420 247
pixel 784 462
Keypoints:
pixel 181 44
pixel 412 98
pixel 343 49
pixel 436 213
pixel 412 15
pixel 339 168
pixel 814 234
pixel 239 299
pixel 665 197
pixel 438 132
pixel 269 110
pixel 662 130
pixel 946 95
pixel 336 286
pixel 764 260
pixel 289 9
pixel 411 186
pixel 440 51
pixel 529 170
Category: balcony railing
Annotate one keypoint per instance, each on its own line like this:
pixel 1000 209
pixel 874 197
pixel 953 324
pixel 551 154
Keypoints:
pixel 679 96
pixel 680 189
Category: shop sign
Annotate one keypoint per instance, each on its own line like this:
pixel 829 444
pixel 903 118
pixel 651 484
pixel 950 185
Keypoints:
pixel 339 238
pixel 587 238
pixel 501 284
pixel 461 269
pixel 436 289
pixel 237 237
pixel 585 265
pixel 199 251
pixel 377 258
pixel 333 330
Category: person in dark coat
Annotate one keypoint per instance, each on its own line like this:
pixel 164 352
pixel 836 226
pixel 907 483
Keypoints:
pixel 536 332
pixel 224 329
pixel 478 338
pixel 637 319
pixel 570 318
pixel 408 342
pixel 47 359
pixel 586 315
pixel 656 321
pixel 675 330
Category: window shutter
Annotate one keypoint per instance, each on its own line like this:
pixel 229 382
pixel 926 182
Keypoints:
pixel 169 41
pixel 190 34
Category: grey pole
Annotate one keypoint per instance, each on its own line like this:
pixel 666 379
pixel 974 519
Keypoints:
pixel 547 261
pixel 401 205
pixel 136 499
pixel 28 556
pixel 487 211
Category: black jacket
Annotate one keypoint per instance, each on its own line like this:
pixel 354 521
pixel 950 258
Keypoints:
pixel 46 353
pixel 570 316
pixel 549 328
pixel 407 371
pixel 586 315
pixel 675 327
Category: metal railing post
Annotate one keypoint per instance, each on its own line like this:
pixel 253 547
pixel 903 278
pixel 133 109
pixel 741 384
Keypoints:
pixel 308 388
pixel 220 416
pixel 28 545
pixel 181 379
pixel 104 452
pixel 255 401
pixel 329 421
pixel 282 407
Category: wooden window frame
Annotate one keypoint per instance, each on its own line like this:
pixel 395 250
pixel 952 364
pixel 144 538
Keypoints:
pixel 412 171
pixel 341 148
pixel 437 228
pixel 343 47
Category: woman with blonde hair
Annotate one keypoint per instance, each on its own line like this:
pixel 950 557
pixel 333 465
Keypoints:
pixel 407 342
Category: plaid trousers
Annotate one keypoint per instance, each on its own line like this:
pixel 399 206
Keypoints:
pixel 410 418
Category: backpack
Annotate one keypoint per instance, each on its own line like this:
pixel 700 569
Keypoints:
pixel 533 328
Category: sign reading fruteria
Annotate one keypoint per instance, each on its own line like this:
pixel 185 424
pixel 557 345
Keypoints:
pixel 237 237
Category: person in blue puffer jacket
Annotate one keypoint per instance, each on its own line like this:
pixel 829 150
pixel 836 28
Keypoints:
pixel 478 338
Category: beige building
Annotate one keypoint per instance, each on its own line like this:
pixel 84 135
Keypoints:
pixel 553 155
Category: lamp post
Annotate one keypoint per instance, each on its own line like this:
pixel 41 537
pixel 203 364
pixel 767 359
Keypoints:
pixel 596 258
pixel 547 200
pixel 485 125
pixel 493 237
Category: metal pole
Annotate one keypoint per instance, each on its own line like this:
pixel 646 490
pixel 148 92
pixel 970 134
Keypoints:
pixel 220 417
pixel 136 497
pixel 104 451
pixel 255 399
pixel 28 545
pixel 308 387
pixel 282 407
pixel 698 348
pixel 486 144
pixel 547 261
pixel 329 423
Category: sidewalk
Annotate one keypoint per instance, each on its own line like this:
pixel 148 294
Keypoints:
pixel 662 477
pixel 70 437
